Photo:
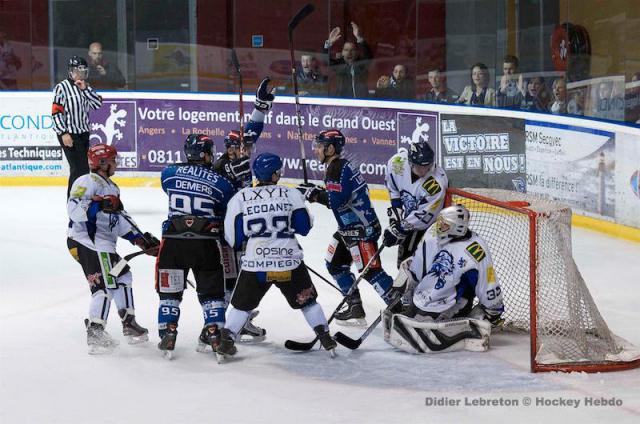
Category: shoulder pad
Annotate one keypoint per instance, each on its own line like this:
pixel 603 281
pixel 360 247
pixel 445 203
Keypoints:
pixel 431 186
pixel 397 164
pixel 476 251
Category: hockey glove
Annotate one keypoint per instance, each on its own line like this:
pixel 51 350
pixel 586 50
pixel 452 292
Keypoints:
pixel 394 234
pixel 264 96
pixel 240 170
pixel 310 191
pixel 109 203
pixel 149 243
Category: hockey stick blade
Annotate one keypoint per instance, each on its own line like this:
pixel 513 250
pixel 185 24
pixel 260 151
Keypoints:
pixel 300 346
pixel 353 344
pixel 303 13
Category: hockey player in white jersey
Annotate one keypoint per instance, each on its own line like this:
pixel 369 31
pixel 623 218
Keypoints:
pixel 96 221
pixel 269 216
pixel 452 266
pixel 417 187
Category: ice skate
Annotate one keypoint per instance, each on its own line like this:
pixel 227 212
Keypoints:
pixel 327 342
pixel 353 314
pixel 209 338
pixel 226 348
pixel 251 333
pixel 133 331
pixel 168 342
pixel 98 340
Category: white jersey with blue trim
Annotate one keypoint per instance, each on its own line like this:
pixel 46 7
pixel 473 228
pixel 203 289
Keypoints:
pixel 421 200
pixel 444 271
pixel 268 217
pixel 88 225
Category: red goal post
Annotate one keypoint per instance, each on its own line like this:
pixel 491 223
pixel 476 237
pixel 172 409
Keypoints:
pixel 545 295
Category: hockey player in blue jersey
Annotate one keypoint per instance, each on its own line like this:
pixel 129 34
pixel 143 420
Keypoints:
pixel 198 199
pixel 234 163
pixel 347 195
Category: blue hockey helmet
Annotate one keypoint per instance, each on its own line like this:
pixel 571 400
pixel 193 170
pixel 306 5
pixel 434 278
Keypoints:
pixel 331 137
pixel 265 165
pixel 421 154
pixel 196 145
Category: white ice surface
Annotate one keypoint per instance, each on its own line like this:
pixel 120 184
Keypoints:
pixel 46 375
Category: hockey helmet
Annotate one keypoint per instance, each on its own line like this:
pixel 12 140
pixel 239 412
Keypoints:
pixel 99 155
pixel 196 145
pixel 78 65
pixel 331 137
pixel 265 165
pixel 421 154
pixel 452 221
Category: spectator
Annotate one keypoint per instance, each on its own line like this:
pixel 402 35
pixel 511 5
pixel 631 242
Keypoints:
pixel 632 101
pixel 352 68
pixel 396 86
pixel 102 74
pixel 310 81
pixel 576 104
pixel 9 64
pixel 536 98
pixel 559 88
pixel 478 93
pixel 511 91
pixel 439 92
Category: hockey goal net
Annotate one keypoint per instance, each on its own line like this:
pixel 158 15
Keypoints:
pixel 544 293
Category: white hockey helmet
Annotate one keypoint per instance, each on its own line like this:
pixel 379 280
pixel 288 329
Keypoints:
pixel 452 222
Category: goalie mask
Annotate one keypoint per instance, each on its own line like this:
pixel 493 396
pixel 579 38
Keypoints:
pixel 452 222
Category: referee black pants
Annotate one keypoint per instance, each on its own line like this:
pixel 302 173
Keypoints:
pixel 76 156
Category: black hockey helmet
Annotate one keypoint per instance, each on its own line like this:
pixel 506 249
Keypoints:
pixel 232 139
pixel 421 154
pixel 331 137
pixel 196 145
pixel 79 65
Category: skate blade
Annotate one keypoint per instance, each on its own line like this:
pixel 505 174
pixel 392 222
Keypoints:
pixel 353 322
pixel 133 340
pixel 332 353
pixel 101 350
pixel 167 354
pixel 249 339
pixel 203 347
pixel 222 358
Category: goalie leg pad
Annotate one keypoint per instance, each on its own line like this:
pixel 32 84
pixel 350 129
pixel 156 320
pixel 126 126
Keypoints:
pixel 416 336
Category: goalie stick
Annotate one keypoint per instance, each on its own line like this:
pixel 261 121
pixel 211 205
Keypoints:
pixel 353 344
pixel 302 13
pixel 305 346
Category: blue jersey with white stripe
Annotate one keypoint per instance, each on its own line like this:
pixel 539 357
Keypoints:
pixel 195 189
pixel 348 198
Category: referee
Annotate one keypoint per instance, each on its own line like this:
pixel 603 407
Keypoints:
pixel 72 100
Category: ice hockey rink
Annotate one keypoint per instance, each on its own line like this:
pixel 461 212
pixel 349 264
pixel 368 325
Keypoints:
pixel 46 375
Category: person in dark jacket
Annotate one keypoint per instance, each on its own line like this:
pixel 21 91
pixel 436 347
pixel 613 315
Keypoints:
pixel 352 68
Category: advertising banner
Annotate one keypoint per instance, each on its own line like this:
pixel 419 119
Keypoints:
pixel 572 164
pixel 28 144
pixel 149 133
pixel 483 151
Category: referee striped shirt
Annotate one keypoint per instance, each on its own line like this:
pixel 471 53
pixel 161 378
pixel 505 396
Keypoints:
pixel 71 105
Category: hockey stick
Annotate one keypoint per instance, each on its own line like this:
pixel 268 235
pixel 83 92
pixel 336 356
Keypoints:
pixel 323 279
pixel 302 13
pixel 305 346
pixel 236 65
pixel 116 271
pixel 353 344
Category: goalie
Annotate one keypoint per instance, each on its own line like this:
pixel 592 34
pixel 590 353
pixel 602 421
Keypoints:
pixel 451 267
